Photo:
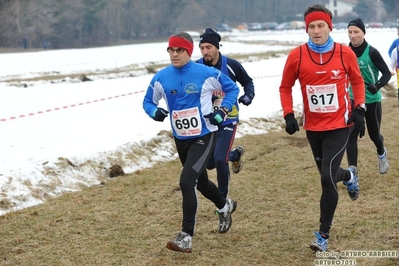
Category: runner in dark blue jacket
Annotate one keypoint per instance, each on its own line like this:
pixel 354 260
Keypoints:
pixel 187 88
pixel 209 46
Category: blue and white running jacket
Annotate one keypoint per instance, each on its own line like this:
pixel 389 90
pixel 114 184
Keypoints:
pixel 188 94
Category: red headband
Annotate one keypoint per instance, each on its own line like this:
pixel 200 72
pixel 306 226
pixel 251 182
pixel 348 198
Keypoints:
pixel 176 41
pixel 318 15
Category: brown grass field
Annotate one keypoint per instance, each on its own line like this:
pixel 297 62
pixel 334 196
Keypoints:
pixel 128 220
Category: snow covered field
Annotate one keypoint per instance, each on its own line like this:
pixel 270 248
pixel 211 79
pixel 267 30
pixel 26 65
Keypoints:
pixel 63 135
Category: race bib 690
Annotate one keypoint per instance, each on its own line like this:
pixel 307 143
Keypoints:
pixel 187 122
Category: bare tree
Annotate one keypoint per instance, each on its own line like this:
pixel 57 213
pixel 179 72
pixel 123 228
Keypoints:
pixel 85 23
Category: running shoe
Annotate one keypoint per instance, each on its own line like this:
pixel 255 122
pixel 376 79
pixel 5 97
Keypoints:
pixel 320 243
pixel 182 243
pixel 353 187
pixel 237 165
pixel 225 220
pixel 383 163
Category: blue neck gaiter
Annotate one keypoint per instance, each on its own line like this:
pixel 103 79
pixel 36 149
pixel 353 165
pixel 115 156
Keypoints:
pixel 321 49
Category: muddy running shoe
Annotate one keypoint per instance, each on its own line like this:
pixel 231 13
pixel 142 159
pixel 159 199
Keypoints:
pixel 182 242
pixel 383 163
pixel 237 165
pixel 225 220
pixel 320 243
pixel 353 187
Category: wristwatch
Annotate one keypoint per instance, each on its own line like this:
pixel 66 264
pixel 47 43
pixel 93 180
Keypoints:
pixel 225 109
pixel 362 106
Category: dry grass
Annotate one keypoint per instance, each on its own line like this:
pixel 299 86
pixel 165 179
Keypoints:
pixel 128 220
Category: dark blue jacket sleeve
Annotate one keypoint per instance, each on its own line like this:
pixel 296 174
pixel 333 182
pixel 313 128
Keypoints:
pixel 238 73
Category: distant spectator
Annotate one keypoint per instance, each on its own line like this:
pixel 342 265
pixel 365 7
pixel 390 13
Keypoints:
pixel 25 42
pixel 44 44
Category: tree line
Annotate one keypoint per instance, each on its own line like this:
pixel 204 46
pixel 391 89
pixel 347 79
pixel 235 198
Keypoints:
pixel 86 23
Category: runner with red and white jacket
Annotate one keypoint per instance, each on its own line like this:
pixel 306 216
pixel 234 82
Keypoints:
pixel 324 69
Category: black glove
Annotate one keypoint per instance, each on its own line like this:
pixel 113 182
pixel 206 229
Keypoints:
pixel 160 114
pixel 216 118
pixel 358 118
pixel 291 125
pixel 245 99
pixel 372 88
